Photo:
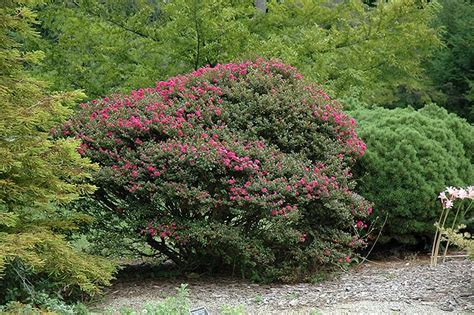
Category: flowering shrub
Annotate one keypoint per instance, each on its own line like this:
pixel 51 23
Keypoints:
pixel 237 166
pixel 411 156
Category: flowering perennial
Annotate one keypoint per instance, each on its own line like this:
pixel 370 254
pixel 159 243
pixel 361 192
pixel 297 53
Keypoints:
pixel 448 196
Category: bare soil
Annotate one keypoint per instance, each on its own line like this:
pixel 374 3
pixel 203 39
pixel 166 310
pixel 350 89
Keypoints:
pixel 383 287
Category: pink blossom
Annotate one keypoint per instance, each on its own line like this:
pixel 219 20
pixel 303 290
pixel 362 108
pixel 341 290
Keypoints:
pixel 448 204
pixel 302 238
pixel 442 196
pixel 360 224
pixel 453 192
pixel 470 192
pixel 462 193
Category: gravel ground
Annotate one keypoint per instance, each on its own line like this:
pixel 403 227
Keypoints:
pixel 393 287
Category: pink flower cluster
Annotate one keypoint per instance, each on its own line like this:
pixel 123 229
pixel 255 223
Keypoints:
pixel 347 259
pixel 448 196
pixel 237 163
pixel 344 125
pixel 162 230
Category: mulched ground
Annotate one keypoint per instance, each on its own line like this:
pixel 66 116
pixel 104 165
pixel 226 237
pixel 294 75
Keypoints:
pixel 388 287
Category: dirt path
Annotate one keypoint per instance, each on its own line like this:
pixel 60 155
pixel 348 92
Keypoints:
pixel 395 287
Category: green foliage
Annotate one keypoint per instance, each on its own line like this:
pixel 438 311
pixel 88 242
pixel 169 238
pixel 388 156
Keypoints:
pixel 462 240
pixel 101 47
pixel 32 258
pixel 174 305
pixel 195 35
pixel 233 310
pixel 411 156
pixel 37 175
pixel 47 305
pixel 352 48
pixel 451 67
pixel 22 309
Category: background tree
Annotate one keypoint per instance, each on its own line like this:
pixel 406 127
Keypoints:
pixel 101 46
pixel 37 176
pixel 452 66
pixel 206 32
pixel 107 46
pixel 352 48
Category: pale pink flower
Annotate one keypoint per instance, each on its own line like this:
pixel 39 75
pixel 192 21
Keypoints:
pixel 453 192
pixel 448 204
pixel 442 196
pixel 462 193
pixel 470 192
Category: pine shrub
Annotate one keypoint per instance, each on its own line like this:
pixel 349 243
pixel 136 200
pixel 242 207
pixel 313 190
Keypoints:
pixel 411 156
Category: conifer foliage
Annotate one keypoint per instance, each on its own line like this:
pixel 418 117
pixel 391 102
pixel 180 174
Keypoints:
pixel 37 175
pixel 411 155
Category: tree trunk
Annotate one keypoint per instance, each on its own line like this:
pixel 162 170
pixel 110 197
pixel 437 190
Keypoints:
pixel 165 250
pixel 261 5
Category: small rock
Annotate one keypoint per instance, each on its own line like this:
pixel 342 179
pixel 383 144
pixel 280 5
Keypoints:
pixel 447 308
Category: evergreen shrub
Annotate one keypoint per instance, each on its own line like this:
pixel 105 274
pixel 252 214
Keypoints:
pixel 411 156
